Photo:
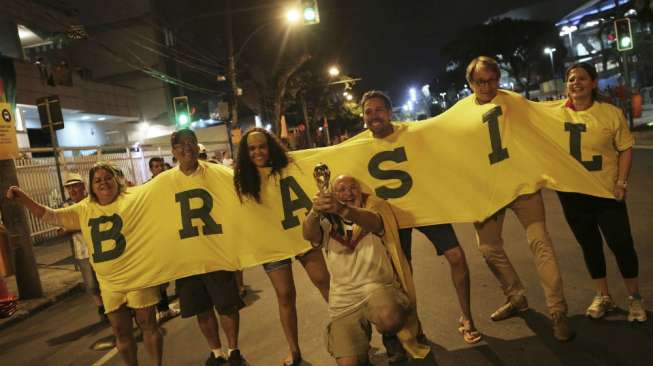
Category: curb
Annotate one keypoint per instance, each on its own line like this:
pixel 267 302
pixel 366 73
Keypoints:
pixel 39 305
pixel 643 147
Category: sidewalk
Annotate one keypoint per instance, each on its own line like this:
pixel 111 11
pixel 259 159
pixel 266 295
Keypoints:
pixel 58 279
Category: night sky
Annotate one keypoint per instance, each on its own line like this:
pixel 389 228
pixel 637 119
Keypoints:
pixel 394 44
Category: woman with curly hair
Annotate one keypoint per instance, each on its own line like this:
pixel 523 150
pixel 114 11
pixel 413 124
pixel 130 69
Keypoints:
pixel 260 157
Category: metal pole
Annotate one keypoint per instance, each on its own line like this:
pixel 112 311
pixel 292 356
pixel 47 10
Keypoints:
pixel 55 148
pixel 309 140
pixel 628 92
pixel 328 135
pixel 231 75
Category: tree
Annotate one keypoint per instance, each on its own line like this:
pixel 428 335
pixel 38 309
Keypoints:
pixel 518 46
pixel 312 86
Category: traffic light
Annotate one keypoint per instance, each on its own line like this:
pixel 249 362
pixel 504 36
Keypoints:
pixel 310 12
pixel 182 112
pixel 624 34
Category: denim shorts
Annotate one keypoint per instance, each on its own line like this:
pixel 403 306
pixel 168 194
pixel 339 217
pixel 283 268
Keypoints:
pixel 273 266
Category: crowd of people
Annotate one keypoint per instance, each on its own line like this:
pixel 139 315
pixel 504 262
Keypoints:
pixel 361 261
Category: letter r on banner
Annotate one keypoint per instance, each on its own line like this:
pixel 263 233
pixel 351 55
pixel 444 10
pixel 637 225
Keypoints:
pixel 203 213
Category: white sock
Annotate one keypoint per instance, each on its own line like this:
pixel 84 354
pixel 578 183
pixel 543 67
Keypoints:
pixel 218 353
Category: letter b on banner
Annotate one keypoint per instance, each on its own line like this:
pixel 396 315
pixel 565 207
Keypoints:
pixel 113 233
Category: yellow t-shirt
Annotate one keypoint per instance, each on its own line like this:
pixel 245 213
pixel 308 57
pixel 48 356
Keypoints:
pixel 606 134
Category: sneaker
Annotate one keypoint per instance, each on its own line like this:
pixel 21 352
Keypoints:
pixel 636 310
pixel 164 315
pixel 215 361
pixel 394 349
pixel 236 359
pixel 509 309
pixel 599 306
pixel 561 330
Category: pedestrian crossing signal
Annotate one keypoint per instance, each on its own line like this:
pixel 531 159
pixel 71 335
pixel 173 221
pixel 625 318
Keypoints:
pixel 624 34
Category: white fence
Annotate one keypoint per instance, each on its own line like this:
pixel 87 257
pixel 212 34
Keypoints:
pixel 38 175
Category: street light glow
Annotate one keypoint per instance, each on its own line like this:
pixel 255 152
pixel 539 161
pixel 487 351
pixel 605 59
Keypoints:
pixel 334 71
pixel 413 94
pixel 292 15
pixel 349 97
pixel 549 50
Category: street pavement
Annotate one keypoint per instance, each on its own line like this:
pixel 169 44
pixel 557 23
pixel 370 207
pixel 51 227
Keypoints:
pixel 64 333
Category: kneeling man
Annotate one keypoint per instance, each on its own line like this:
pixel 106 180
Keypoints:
pixel 371 282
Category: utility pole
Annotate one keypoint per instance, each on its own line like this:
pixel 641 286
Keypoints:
pixel 231 76
pixel 20 242
pixel 309 139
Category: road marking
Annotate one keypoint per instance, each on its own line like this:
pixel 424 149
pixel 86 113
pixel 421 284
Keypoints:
pixel 107 356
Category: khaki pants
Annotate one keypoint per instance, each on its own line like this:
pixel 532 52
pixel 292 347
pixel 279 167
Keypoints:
pixel 349 335
pixel 529 209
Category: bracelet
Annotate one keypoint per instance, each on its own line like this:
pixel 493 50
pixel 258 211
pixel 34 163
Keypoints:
pixel 622 183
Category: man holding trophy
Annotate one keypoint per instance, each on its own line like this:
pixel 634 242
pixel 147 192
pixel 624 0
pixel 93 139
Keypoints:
pixel 371 282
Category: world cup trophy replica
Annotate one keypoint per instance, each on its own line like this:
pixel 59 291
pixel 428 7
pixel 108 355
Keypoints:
pixel 322 176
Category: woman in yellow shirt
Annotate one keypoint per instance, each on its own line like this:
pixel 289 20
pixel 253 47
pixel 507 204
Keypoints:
pixel 602 142
pixel 261 156
pixel 107 188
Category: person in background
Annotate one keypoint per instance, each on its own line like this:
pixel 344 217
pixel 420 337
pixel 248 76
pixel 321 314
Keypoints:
pixel 163 309
pixel 203 155
pixel 607 139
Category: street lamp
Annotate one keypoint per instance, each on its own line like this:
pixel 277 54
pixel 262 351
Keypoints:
pixel 549 51
pixel 567 30
pixel 413 94
pixel 334 71
pixel 292 15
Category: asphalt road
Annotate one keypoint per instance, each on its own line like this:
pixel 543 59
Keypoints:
pixel 64 333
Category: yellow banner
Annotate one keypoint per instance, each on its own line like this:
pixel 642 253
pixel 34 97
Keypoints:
pixel 461 166
pixel 8 143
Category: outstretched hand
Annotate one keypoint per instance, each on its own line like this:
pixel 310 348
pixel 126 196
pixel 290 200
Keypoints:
pixel 14 193
pixel 326 203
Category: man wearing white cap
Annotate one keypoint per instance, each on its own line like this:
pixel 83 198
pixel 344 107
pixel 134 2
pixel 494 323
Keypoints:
pixel 77 192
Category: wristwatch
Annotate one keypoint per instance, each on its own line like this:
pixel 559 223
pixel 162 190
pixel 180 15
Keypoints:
pixel 622 183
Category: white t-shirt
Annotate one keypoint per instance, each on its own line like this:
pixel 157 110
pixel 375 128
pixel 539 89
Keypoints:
pixel 356 273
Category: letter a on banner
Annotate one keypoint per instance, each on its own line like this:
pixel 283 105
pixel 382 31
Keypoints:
pixel 8 144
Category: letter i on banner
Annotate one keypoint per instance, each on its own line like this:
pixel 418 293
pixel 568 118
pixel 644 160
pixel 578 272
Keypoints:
pixel 8 143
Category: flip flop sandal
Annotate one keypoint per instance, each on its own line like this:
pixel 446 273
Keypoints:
pixel 470 336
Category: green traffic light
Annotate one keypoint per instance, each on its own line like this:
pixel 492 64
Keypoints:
pixel 183 119
pixel 309 14
pixel 625 42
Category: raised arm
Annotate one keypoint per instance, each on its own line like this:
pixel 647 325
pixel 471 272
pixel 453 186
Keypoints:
pixel 311 227
pixel 16 194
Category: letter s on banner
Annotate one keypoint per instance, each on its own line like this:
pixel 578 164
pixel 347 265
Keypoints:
pixel 397 155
